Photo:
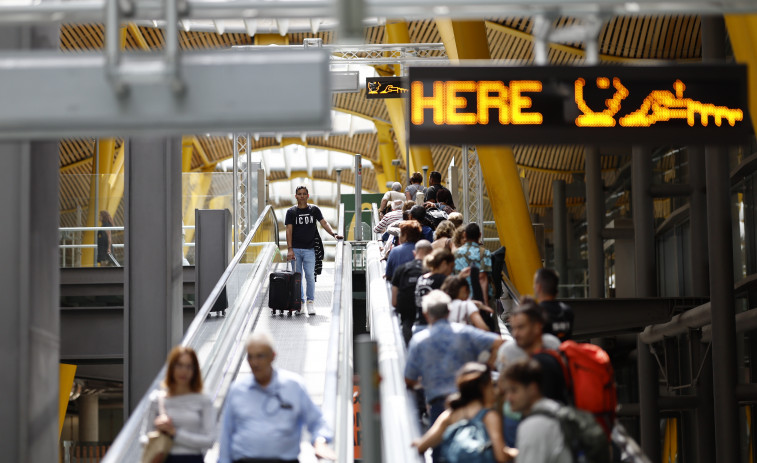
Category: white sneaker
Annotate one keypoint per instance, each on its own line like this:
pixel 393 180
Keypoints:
pixel 311 307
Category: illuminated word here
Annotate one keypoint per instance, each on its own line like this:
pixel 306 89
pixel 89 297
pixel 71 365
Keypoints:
pixel 448 102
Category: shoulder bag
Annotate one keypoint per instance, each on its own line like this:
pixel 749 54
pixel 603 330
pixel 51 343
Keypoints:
pixel 158 443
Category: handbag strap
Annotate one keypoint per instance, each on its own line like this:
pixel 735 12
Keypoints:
pixel 161 403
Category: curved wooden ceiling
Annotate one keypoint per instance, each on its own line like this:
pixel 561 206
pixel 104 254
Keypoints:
pixel 620 39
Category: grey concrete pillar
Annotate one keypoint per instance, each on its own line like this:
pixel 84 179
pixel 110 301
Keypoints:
pixel 89 421
pixel 700 277
pixel 723 304
pixel 700 286
pixel 720 239
pixel 29 284
pixel 559 232
pixel 153 275
pixel 595 219
pixel 646 286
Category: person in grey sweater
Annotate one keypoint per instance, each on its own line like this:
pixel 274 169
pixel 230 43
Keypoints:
pixel 181 410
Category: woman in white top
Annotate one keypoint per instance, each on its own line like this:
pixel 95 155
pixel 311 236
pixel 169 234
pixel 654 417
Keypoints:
pixel 189 417
pixel 461 310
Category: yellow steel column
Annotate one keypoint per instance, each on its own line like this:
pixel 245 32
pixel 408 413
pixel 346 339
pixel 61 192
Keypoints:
pixel 396 32
pixel 271 39
pixel 467 40
pixel 101 166
pixel 187 150
pixel 386 155
pixel 116 182
pixel 742 29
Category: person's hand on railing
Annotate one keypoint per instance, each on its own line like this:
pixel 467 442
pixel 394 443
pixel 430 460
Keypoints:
pixel 339 237
pixel 323 451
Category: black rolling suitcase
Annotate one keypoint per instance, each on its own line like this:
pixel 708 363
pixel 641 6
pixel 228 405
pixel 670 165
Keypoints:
pixel 284 290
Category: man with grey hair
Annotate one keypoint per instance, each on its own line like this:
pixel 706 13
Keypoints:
pixel 403 287
pixel 265 412
pixel 394 194
pixel 435 354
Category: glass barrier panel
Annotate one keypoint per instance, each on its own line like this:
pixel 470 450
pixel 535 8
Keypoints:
pixel 80 226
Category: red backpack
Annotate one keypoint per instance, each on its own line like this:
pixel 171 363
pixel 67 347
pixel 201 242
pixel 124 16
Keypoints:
pixel 590 380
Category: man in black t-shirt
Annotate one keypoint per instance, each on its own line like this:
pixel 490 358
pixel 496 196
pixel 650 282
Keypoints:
pixel 559 315
pixel 435 180
pixel 301 228
pixel 403 287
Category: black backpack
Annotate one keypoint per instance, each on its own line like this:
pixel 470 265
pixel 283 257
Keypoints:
pixel 435 217
pixel 559 319
pixel 584 437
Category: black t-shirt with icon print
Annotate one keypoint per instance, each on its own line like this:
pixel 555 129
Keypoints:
pixel 304 226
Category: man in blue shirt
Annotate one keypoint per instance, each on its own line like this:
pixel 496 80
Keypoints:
pixel 265 412
pixel 435 354
pixel 410 233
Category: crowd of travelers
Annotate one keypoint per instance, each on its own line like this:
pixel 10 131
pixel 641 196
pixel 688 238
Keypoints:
pixel 491 386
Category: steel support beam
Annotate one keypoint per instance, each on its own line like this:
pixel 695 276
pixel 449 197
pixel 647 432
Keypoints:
pixel 720 240
pixel 29 284
pixel 93 11
pixel 153 293
pixel 560 232
pixel 50 94
pixel 646 286
pixel 700 286
pixel 595 219
pixel 596 317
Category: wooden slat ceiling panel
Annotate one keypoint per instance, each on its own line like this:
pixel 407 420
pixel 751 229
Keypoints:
pixel 652 37
pixel 359 104
pixel 424 31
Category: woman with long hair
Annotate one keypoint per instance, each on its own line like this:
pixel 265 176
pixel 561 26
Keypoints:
pixel 181 410
pixel 473 401
pixel 462 310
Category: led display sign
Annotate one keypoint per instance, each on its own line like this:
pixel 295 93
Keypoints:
pixel 385 87
pixel 600 104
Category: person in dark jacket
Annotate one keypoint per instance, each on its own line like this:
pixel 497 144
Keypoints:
pixel 559 315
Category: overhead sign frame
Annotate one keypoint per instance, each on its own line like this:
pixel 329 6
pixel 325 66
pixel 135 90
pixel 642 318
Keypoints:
pixel 702 104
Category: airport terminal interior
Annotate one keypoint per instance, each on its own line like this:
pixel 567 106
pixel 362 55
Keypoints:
pixel 611 141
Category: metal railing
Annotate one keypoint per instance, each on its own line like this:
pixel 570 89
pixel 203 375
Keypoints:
pixel 220 359
pixel 70 242
pixel 399 417
pixel 337 400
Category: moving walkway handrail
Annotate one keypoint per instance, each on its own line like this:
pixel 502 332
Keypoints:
pixel 337 399
pixel 376 220
pixel 217 375
pixel 399 418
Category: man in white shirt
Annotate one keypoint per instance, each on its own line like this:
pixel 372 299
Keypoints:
pixel 392 195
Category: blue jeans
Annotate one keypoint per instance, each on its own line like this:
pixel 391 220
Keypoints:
pixel 304 262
